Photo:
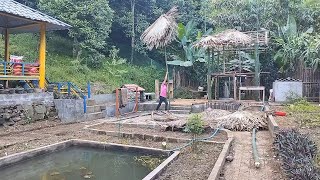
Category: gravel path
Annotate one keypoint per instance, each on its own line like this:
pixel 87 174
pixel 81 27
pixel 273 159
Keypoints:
pixel 242 166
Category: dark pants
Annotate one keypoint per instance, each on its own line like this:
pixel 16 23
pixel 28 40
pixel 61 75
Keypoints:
pixel 163 99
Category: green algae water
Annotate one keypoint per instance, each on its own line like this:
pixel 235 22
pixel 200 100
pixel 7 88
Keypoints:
pixel 78 163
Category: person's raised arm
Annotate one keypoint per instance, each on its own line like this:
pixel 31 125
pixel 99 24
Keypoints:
pixel 165 78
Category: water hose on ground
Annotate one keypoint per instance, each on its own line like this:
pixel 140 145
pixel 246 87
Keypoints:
pixel 254 149
pixel 195 140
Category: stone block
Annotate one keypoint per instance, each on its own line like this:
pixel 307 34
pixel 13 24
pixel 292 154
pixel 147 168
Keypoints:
pixel 38 116
pixel 40 109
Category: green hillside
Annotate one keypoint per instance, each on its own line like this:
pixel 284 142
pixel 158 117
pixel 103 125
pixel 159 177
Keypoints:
pixel 61 66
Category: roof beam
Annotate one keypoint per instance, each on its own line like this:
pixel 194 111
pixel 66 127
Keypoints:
pixel 23 26
pixel 17 17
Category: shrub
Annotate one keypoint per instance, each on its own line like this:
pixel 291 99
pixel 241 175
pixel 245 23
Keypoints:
pixel 297 153
pixel 195 125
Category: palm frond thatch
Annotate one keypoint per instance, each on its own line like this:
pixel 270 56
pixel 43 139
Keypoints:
pixel 208 42
pixel 243 121
pixel 234 38
pixel 162 31
pixel 228 37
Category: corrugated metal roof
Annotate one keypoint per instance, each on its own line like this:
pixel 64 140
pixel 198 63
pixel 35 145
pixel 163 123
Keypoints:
pixel 14 15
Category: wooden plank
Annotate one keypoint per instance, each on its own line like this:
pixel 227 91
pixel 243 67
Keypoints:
pixel 156 89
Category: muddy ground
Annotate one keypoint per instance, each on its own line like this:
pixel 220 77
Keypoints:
pixel 190 164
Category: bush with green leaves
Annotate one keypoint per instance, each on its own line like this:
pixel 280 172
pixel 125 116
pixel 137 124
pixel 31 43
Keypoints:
pixel 195 125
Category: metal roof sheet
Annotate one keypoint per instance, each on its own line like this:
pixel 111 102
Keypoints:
pixel 19 18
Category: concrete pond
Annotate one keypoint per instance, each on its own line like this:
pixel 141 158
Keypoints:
pixel 79 159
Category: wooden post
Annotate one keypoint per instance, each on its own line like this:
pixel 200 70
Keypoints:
pixel 216 87
pixel 6 48
pixel 136 100
pixel 42 56
pixel 156 89
pixel 6 53
pixel 170 89
pixel 234 86
pixel 117 113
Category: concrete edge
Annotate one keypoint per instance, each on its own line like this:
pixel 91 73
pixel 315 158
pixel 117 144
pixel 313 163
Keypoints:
pixel 156 172
pixel 114 146
pixel 155 138
pixel 17 157
pixel 272 124
pixel 218 166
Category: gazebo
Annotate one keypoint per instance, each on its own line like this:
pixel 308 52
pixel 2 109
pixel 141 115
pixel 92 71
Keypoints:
pixel 234 41
pixel 17 18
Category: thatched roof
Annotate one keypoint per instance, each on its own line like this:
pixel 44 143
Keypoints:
pixel 234 38
pixel 208 42
pixel 228 37
pixel 162 31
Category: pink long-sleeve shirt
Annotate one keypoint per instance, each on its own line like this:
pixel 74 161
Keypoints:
pixel 163 90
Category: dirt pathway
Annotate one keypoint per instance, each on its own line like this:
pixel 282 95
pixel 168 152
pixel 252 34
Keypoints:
pixel 242 166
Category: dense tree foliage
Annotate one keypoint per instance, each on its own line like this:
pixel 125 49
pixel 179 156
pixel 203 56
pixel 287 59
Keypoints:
pixel 99 25
pixel 91 21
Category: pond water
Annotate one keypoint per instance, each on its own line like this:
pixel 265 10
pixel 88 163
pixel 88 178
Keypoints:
pixel 77 163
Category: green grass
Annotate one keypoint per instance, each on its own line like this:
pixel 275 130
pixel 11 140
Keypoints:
pixel 307 114
pixel 61 66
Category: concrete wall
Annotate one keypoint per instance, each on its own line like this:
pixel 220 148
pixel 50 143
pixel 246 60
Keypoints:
pixel 70 110
pixel 26 99
pixel 104 98
pixel 281 90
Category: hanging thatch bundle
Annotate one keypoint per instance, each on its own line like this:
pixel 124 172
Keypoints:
pixel 243 121
pixel 162 31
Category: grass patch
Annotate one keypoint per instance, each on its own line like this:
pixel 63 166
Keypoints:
pixel 305 113
pixel 61 66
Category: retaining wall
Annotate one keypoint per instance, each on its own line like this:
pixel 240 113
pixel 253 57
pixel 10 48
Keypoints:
pixel 104 98
pixel 26 99
pixel 70 110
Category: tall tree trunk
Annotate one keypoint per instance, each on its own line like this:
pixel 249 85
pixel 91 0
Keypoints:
pixel 133 3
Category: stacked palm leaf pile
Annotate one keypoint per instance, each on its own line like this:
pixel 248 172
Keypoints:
pixel 237 121
pixel 210 116
pixel 243 121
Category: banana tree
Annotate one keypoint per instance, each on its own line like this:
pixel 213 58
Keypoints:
pixel 187 35
pixel 244 63
pixel 293 47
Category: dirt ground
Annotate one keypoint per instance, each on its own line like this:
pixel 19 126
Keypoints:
pixel 195 165
pixel 242 166
pixel 220 137
pixel 21 138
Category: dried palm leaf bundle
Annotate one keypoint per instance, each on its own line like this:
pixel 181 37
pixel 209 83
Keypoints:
pixel 243 121
pixel 162 32
pixel 210 116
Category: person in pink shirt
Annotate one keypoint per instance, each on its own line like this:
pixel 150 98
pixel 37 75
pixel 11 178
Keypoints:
pixel 163 93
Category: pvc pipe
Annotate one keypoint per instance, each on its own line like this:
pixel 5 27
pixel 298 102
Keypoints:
pixel 255 150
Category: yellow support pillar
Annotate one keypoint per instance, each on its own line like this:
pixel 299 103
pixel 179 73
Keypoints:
pixel 6 48
pixel 42 56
